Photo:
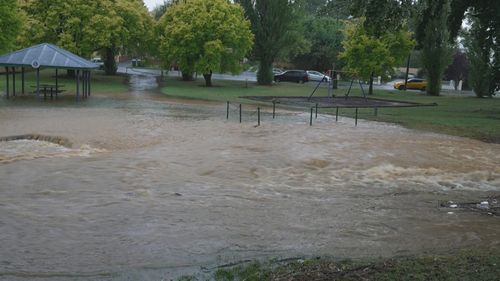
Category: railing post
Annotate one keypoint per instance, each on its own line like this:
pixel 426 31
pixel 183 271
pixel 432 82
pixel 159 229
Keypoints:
pixel 316 111
pixel 311 117
pixel 376 111
pixel 356 118
pixel 337 115
pixel 227 110
pixel 274 108
pixel 258 116
pixel 240 112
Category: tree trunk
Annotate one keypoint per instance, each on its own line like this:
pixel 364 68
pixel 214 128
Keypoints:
pixel 187 76
pixel 370 89
pixel 407 70
pixel 208 79
pixel 265 75
pixel 110 67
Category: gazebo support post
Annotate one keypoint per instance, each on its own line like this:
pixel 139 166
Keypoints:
pixel 7 90
pixel 22 80
pixel 57 82
pixel 13 81
pixel 38 82
pixel 89 83
pixel 77 84
pixel 85 84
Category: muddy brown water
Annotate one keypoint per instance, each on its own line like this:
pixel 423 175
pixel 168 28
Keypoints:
pixel 155 187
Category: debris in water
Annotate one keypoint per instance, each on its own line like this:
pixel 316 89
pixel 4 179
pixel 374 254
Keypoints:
pixel 489 206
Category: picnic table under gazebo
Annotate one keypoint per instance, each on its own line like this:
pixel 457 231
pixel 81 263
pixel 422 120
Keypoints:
pixel 44 56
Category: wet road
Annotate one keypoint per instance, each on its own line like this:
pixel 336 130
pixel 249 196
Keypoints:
pixel 155 187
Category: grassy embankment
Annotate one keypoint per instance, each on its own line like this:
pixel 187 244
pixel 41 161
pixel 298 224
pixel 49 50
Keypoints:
pixel 456 115
pixel 463 266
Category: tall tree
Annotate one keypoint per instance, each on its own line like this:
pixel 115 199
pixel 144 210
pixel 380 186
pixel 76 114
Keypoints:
pixel 366 55
pixel 205 36
pixel 433 36
pixel 273 26
pixel 458 69
pixel 483 47
pixel 134 35
pixel 9 25
pixel 381 20
pixel 482 41
pixel 325 36
pixel 87 26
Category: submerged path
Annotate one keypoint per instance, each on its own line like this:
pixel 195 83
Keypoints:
pixel 154 187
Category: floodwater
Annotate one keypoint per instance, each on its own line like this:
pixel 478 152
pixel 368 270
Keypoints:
pixel 155 187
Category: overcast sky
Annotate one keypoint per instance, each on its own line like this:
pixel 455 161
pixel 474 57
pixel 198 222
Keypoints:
pixel 152 3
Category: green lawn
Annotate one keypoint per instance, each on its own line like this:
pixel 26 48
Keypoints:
pixel 462 116
pixel 462 266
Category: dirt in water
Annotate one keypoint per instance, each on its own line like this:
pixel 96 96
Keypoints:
pixel 153 188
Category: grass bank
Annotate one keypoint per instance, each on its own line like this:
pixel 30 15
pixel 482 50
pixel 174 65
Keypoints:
pixel 455 115
pixel 463 266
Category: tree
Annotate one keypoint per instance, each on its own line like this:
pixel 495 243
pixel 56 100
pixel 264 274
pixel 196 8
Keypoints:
pixel 273 24
pixel 337 9
pixel 482 41
pixel 434 39
pixel 205 36
pixel 383 19
pixel 458 69
pixel 134 35
pixel 80 26
pixel 325 36
pixel 87 26
pixel 9 25
pixel 366 55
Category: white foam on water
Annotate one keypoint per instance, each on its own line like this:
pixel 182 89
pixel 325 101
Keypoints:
pixel 17 150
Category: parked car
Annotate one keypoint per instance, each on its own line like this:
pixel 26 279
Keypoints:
pixel 413 84
pixel 277 71
pixel 299 76
pixel 314 75
pixel 98 61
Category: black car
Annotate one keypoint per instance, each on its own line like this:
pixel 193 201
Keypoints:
pixel 299 76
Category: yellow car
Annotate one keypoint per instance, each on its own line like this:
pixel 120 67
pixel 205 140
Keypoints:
pixel 413 84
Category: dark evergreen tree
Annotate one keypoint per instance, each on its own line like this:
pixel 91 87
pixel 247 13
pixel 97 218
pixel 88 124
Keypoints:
pixel 273 23
pixel 433 36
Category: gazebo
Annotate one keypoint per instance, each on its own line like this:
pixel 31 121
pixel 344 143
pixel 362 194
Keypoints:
pixel 47 56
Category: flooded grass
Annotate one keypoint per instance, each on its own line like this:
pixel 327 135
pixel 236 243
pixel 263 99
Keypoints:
pixel 456 115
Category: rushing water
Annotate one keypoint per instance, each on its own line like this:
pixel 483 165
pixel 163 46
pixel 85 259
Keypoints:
pixel 153 187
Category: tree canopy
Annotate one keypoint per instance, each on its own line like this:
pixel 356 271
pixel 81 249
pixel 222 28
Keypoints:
pixel 367 55
pixel 274 24
pixel 434 41
pixel 325 36
pixel 9 25
pixel 204 36
pixel 86 26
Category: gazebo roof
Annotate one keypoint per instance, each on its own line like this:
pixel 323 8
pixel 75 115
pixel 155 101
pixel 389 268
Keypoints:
pixel 47 56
